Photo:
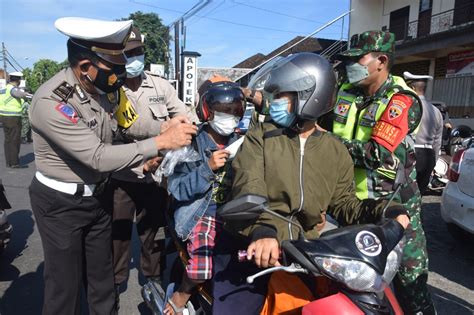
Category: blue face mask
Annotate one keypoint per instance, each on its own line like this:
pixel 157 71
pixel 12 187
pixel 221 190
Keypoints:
pixel 135 66
pixel 279 112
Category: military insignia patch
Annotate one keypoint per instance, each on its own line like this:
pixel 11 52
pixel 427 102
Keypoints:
pixel 396 108
pixel 68 111
pixel 371 111
pixel 342 108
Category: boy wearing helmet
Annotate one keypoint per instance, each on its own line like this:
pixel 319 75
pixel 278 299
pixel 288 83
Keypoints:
pixel 301 171
pixel 201 187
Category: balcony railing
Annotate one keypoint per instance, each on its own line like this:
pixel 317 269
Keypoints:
pixel 439 22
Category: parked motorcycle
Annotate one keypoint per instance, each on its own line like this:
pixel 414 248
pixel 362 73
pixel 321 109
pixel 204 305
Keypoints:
pixel 5 227
pixel 360 261
pixel 457 138
pixel 439 177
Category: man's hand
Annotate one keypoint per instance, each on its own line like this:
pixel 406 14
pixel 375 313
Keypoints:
pixel 152 164
pixel 404 220
pixel 176 136
pixel 174 121
pixel 256 100
pixel 218 159
pixel 265 252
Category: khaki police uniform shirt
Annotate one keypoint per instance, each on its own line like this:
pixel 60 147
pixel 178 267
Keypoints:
pixel 72 139
pixel 155 102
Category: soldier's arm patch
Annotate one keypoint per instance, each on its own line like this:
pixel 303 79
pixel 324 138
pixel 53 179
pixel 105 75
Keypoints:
pixel 392 127
pixel 68 111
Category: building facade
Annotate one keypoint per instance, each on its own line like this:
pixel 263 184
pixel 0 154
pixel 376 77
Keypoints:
pixel 434 37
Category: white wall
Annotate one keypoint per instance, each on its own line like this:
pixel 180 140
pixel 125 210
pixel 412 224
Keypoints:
pixel 374 14
pixel 366 16
pixel 442 5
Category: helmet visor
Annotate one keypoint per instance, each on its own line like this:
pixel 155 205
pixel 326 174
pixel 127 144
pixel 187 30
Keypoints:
pixel 286 76
pixel 225 97
pixel 258 79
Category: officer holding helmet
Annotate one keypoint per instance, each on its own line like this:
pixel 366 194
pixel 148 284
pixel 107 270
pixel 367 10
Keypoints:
pixel 302 172
pixel 72 134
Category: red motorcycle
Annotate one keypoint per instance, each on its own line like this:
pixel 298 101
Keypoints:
pixel 360 261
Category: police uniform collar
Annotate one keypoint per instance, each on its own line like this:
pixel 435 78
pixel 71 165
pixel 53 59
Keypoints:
pixel 146 80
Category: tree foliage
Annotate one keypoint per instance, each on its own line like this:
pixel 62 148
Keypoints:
pixel 156 36
pixel 42 71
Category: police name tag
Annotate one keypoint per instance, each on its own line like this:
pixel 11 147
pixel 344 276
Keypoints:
pixel 156 99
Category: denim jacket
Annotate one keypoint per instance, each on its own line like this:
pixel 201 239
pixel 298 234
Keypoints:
pixel 191 185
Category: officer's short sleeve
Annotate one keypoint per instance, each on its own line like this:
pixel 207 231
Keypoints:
pixel 59 124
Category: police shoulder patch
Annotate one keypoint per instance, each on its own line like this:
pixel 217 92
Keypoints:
pixel 68 111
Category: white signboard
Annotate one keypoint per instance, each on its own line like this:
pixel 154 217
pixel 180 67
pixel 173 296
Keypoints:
pixel 157 69
pixel 189 79
pixel 3 84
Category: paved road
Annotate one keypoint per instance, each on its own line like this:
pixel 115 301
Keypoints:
pixel 21 285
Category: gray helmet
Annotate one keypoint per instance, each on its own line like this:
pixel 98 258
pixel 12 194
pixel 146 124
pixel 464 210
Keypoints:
pixel 260 77
pixel 310 76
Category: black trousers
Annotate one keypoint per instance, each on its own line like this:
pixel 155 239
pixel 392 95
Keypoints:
pixel 147 202
pixel 11 145
pixel 76 236
pixel 425 163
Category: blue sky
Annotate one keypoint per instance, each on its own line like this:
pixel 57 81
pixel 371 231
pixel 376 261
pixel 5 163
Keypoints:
pixel 225 32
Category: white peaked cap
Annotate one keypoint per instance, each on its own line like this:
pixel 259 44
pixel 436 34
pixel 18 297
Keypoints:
pixel 16 74
pixel 105 38
pixel 408 76
pixel 101 31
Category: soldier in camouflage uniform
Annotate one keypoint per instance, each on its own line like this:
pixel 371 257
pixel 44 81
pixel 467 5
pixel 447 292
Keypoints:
pixel 25 123
pixel 375 116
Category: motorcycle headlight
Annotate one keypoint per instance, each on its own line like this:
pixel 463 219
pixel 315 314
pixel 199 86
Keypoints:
pixel 393 261
pixel 358 275
pixel 355 274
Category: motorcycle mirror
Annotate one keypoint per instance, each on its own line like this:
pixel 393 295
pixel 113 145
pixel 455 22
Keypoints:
pixel 461 131
pixel 246 207
pixel 400 177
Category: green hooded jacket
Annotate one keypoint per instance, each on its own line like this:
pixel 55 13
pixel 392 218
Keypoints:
pixel 268 164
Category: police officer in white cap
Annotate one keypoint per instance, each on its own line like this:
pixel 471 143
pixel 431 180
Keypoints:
pixel 73 153
pixel 430 133
pixel 11 102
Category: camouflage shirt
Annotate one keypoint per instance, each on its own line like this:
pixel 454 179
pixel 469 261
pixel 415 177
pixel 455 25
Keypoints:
pixel 381 163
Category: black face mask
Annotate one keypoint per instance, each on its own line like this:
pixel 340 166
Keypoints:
pixel 108 81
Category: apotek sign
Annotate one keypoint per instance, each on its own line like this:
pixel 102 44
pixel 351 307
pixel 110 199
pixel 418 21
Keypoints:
pixel 189 67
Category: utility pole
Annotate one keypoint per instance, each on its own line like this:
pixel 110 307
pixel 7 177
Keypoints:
pixel 4 55
pixel 176 50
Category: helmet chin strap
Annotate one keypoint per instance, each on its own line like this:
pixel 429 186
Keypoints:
pixel 299 125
